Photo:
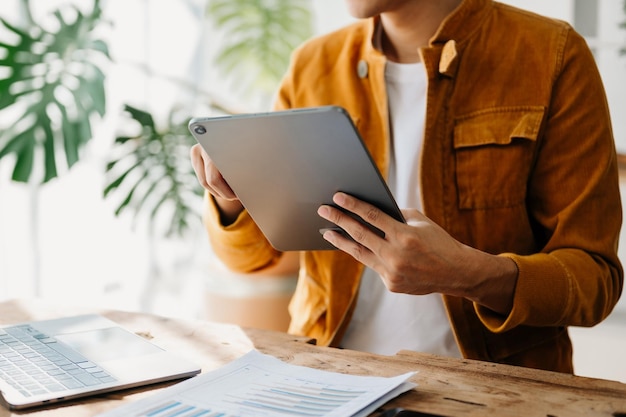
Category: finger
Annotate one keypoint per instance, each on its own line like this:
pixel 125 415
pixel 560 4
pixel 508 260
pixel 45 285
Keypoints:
pixel 369 213
pixel 349 246
pixel 216 183
pixel 360 233
pixel 198 165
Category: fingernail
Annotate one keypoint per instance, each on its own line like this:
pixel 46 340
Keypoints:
pixel 339 197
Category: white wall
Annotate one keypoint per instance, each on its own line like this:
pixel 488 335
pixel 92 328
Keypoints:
pixel 613 65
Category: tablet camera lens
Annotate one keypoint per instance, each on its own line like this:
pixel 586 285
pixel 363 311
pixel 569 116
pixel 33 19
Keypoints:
pixel 200 130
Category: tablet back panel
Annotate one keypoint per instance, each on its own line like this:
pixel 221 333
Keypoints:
pixel 284 165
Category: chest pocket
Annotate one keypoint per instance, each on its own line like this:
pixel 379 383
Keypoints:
pixel 494 152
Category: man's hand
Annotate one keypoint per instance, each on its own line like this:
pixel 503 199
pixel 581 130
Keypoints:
pixel 420 257
pixel 211 179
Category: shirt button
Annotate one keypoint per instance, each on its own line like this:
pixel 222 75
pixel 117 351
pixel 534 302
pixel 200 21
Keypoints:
pixel 362 69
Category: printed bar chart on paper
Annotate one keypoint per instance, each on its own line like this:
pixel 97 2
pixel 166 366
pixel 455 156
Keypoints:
pixel 261 385
pixel 176 408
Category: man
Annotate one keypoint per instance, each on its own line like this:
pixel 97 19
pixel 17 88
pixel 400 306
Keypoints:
pixel 492 128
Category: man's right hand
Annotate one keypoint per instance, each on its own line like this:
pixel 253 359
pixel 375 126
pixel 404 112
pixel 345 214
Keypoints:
pixel 211 179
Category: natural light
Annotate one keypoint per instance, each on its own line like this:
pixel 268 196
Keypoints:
pixel 62 240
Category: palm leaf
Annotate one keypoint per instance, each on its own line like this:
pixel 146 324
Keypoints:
pixel 53 82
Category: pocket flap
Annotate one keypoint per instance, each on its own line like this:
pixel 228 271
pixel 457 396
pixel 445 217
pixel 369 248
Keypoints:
pixel 498 126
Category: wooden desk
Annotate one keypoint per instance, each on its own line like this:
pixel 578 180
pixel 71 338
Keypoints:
pixel 449 387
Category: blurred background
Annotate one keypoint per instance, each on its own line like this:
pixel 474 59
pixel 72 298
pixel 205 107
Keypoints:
pixel 98 201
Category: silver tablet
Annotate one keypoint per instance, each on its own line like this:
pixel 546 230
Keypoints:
pixel 283 165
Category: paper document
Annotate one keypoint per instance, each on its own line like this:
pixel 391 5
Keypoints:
pixel 261 385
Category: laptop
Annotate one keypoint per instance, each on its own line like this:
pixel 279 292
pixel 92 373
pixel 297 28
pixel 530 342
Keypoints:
pixel 283 165
pixel 43 362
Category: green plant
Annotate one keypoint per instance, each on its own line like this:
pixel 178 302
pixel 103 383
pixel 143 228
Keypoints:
pixel 51 85
pixel 259 36
pixel 153 167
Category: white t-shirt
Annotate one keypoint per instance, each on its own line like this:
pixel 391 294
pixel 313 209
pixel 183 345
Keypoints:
pixel 386 322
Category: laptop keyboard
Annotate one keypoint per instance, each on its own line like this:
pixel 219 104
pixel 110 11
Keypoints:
pixel 34 363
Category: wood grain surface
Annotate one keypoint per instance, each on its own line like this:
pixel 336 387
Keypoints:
pixel 448 387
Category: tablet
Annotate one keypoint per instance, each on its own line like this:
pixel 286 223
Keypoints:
pixel 283 165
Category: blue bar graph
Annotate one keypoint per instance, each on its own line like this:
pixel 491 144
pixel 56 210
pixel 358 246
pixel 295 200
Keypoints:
pixel 258 385
pixel 178 409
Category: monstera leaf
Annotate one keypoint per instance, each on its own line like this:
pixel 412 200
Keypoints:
pixel 259 36
pixel 50 87
pixel 152 168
